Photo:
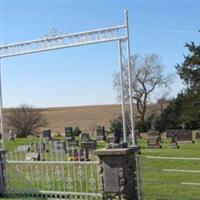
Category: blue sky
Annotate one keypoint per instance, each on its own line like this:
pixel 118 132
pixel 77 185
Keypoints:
pixel 83 75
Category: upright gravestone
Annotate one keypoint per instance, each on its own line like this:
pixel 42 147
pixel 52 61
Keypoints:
pixel 197 135
pixel 153 142
pixel 89 145
pixel 85 137
pixel 71 142
pixel 40 147
pixel 69 133
pixel 58 147
pixel 100 131
pixel 46 134
pixel 152 133
pixel 169 133
pixel 173 143
pixel 184 136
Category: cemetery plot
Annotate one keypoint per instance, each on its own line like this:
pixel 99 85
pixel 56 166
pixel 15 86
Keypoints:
pixel 174 143
pixel 90 145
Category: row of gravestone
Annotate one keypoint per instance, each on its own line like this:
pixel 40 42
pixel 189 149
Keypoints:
pixel 69 134
pixel 56 147
pixel 182 136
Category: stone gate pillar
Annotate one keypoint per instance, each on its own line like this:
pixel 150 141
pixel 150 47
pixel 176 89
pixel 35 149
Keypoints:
pixel 2 173
pixel 118 173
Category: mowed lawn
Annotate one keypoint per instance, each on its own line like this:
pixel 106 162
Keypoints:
pixel 164 179
pixel 165 176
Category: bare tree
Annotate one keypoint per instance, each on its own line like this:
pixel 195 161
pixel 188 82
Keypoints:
pixel 148 75
pixel 25 120
pixel 163 100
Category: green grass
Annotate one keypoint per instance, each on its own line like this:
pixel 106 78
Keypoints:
pixel 157 183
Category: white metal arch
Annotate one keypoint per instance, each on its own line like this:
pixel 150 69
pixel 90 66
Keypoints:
pixel 118 33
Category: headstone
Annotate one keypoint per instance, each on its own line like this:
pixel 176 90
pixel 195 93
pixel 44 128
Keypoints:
pixel 32 156
pixel 184 136
pixel 58 146
pixel 111 139
pixel 153 142
pixel 169 133
pixel 71 142
pixel 46 134
pixel 69 132
pixel 174 143
pixel 40 147
pixel 197 135
pixel 23 148
pixel 85 137
pixel 76 155
pixel 101 135
pixel 151 133
pixel 90 145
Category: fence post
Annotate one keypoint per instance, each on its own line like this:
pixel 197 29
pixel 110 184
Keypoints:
pixel 118 173
pixel 2 173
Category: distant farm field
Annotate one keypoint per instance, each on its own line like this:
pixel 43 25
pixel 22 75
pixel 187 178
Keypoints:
pixel 85 117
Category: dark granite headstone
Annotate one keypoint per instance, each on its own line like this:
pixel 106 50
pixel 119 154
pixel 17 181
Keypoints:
pixel 46 134
pixel 85 137
pixel 40 147
pixel 184 136
pixel 197 135
pixel 153 142
pixel 58 146
pixel 69 132
pixel 71 142
pixel 101 135
pixel 90 145
pixel 76 155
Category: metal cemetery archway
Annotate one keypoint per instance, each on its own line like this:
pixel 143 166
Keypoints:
pixel 118 33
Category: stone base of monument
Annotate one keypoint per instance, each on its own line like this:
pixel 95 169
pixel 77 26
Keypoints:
pixel 117 145
pixel 118 173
